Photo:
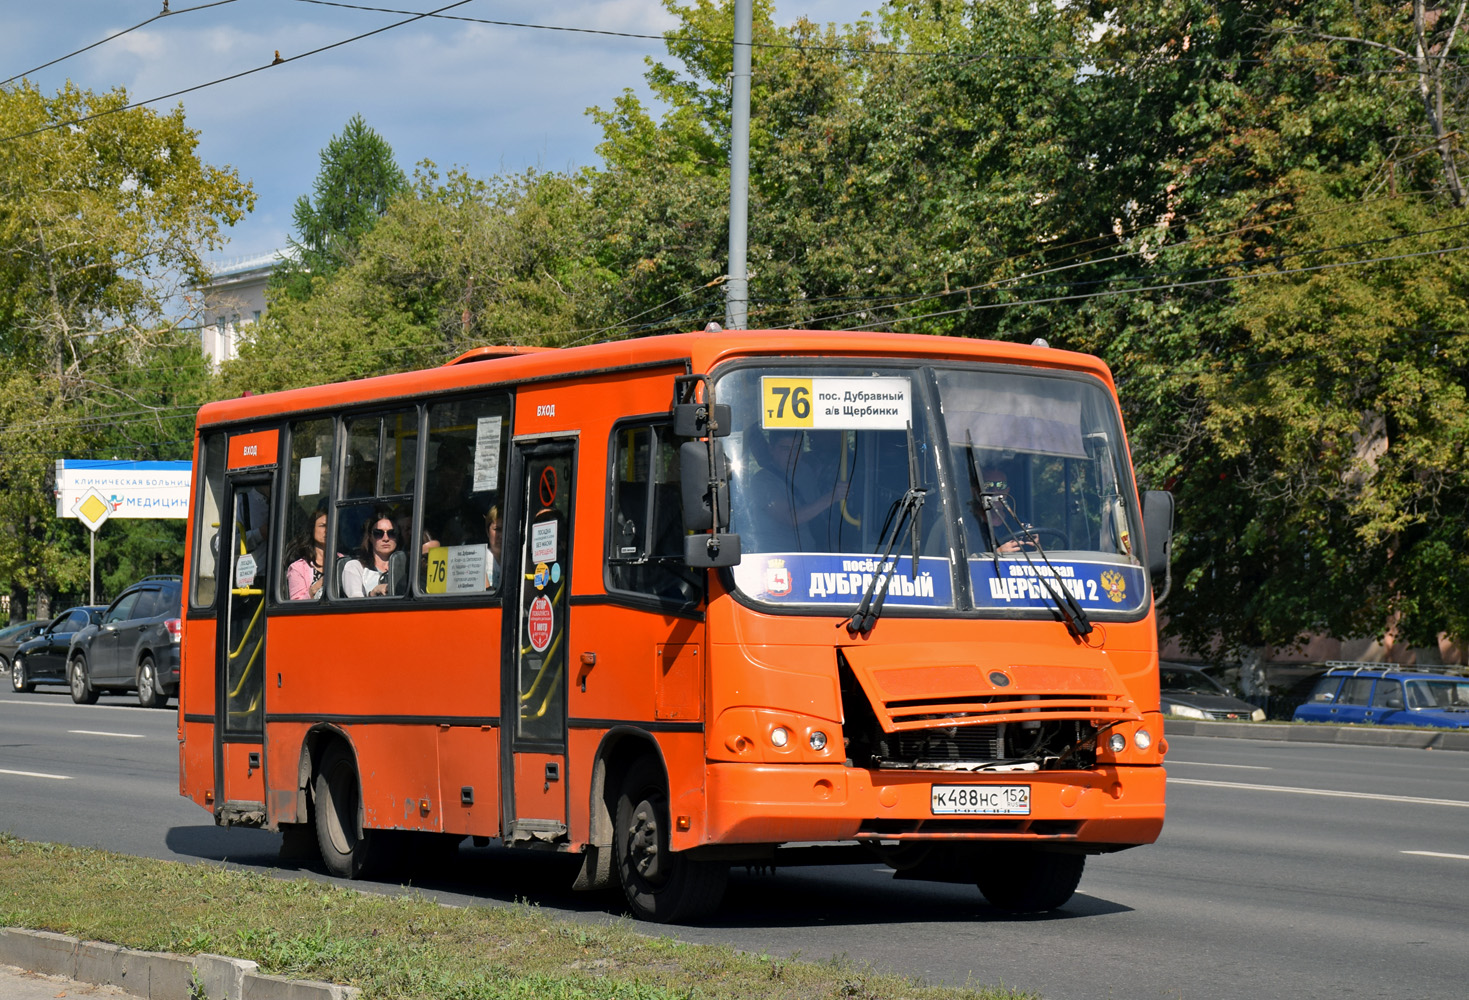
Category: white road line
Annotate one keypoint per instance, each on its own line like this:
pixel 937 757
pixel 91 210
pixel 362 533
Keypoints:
pixel 1439 854
pixel 1400 799
pixel 94 732
pixel 1200 763
pixel 37 774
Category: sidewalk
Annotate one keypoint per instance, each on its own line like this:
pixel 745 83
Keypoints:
pixel 1308 732
pixel 17 984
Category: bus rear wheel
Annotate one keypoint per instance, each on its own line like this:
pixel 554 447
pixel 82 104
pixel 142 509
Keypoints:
pixel 345 846
pixel 1028 880
pixel 661 885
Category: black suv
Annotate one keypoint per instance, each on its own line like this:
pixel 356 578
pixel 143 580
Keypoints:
pixel 134 648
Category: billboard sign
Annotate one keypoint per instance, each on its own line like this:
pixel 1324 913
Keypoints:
pixel 128 489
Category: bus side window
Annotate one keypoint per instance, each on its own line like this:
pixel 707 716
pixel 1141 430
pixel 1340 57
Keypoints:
pixel 375 505
pixel 462 495
pixel 207 521
pixel 645 546
pixel 308 478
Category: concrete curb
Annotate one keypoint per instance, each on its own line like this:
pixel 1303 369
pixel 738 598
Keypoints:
pixel 155 975
pixel 1310 732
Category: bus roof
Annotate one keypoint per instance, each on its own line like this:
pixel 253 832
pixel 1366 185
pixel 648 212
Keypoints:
pixel 697 352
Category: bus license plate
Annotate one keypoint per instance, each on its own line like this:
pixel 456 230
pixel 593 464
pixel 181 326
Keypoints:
pixel 981 800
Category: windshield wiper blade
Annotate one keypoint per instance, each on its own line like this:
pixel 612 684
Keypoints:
pixel 981 502
pixel 867 612
pixel 908 505
pixel 1072 613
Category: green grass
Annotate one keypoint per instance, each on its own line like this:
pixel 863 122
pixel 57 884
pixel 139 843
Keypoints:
pixel 402 946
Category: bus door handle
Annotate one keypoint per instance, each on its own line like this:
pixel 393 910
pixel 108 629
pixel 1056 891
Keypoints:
pixel 588 661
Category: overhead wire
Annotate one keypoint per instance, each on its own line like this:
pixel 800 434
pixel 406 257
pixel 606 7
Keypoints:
pixel 278 61
pixel 165 12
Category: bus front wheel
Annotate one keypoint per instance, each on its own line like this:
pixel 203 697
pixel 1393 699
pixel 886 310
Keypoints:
pixel 344 844
pixel 661 885
pixel 1027 880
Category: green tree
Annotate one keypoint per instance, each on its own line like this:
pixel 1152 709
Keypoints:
pixel 104 216
pixel 358 180
pixel 454 263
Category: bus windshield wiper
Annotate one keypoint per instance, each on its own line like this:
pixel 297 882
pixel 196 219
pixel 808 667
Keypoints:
pixel 905 507
pixel 982 503
pixel 1072 613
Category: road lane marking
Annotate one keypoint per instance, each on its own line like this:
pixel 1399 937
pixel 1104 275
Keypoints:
pixel 1201 763
pixel 1400 799
pixel 1439 854
pixel 37 774
pixel 95 732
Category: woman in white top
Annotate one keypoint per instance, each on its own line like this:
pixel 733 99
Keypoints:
pixel 367 574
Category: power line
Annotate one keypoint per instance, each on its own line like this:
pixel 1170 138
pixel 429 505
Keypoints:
pixel 1107 293
pixel 165 12
pixel 1090 59
pixel 277 61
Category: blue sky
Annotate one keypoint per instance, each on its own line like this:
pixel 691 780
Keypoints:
pixel 491 99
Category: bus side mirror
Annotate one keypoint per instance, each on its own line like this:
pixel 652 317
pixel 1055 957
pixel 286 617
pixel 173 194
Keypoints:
pixel 701 486
pixel 1158 536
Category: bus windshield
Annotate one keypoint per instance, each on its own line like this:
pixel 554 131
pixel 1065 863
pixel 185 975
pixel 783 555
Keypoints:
pixel 1025 483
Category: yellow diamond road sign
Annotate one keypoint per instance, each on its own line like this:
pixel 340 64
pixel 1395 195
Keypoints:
pixel 92 509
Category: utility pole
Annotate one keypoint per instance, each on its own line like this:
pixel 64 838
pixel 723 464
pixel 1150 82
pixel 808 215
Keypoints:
pixel 737 300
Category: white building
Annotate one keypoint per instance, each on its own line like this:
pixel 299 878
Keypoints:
pixel 233 299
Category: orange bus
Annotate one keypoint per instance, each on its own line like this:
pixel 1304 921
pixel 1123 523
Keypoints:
pixel 677 603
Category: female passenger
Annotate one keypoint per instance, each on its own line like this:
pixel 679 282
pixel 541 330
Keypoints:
pixel 306 561
pixel 366 575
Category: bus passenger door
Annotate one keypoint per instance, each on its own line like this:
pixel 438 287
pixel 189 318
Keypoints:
pixel 533 689
pixel 240 667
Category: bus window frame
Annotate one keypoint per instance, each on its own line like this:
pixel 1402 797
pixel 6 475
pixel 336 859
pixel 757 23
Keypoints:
pixel 414 597
pixel 654 422
pixel 926 394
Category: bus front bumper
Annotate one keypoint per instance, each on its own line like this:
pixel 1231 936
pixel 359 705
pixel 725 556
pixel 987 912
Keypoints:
pixel 1106 808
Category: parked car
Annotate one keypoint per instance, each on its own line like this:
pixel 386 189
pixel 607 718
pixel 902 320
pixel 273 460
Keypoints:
pixel 1190 693
pixel 42 659
pixel 13 635
pixel 135 647
pixel 1389 696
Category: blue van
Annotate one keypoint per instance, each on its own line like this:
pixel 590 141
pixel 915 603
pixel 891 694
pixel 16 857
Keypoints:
pixel 1389 696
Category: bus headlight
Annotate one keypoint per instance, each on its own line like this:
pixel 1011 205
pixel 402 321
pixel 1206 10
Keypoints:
pixel 817 740
pixel 1142 739
pixel 779 737
pixel 1117 743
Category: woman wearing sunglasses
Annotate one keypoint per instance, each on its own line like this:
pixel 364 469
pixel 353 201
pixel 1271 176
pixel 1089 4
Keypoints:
pixel 369 574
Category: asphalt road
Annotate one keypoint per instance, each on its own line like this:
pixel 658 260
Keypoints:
pixel 1284 870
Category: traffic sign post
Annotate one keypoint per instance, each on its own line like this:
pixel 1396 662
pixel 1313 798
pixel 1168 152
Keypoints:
pixel 93 510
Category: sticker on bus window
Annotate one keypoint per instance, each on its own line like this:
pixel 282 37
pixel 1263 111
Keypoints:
pixel 487 454
pixel 825 578
pixel 309 478
pixel 543 542
pixel 820 403
pixel 540 621
pixel 1019 584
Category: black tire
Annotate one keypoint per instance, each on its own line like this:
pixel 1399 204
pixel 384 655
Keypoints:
pixel 82 691
pixel 18 680
pixel 345 847
pixel 660 885
pixel 149 696
pixel 1028 880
